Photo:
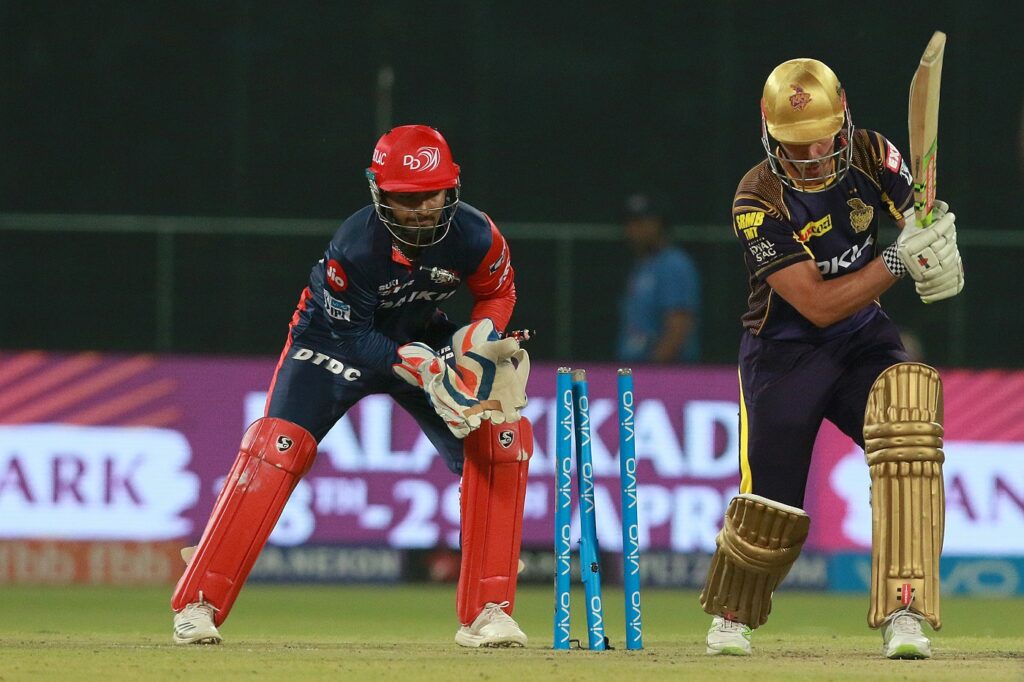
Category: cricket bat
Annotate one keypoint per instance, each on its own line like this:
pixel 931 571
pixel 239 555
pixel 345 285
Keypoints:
pixel 923 123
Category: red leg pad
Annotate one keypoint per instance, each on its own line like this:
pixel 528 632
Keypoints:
pixel 493 493
pixel 273 456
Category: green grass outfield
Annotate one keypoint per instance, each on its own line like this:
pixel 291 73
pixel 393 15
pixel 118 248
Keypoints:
pixel 405 633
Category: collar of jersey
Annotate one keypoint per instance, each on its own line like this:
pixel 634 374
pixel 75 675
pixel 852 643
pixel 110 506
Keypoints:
pixel 398 257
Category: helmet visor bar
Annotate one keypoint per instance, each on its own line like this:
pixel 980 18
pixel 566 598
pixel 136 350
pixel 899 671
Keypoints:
pixel 435 221
pixel 810 175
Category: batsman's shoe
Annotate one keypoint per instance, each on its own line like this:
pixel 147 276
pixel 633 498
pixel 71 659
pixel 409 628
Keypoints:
pixel 728 638
pixel 902 636
pixel 492 628
pixel 194 625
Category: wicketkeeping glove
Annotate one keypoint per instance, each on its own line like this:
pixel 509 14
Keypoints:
pixel 448 394
pixel 496 369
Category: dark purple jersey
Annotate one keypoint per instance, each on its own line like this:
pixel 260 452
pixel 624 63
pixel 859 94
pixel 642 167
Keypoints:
pixel 836 227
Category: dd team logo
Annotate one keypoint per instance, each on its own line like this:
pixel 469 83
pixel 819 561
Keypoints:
pixel 425 159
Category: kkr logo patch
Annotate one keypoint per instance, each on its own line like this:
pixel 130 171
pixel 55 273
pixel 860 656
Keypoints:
pixel 860 215
pixel 506 438
pixel 284 443
pixel 800 98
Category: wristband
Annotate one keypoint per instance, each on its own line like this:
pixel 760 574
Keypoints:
pixel 891 258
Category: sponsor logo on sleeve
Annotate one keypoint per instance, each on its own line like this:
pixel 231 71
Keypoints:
pixel 893 160
pixel 493 267
pixel 336 309
pixel 762 250
pixel 905 173
pixel 749 222
pixel 336 277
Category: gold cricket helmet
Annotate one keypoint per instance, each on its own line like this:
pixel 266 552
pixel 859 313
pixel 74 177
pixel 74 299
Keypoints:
pixel 803 102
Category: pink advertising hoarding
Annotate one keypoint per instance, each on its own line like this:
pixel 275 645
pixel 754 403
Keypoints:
pixel 132 448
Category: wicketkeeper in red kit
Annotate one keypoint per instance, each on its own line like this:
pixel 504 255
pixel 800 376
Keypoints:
pixel 368 322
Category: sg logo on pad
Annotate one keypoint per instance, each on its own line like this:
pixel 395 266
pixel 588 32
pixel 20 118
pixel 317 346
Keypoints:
pixel 283 443
pixel 506 438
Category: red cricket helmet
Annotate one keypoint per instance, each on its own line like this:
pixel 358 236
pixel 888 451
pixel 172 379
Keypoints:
pixel 412 159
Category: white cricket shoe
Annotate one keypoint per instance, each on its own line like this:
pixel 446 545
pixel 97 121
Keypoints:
pixel 902 636
pixel 492 628
pixel 728 638
pixel 194 625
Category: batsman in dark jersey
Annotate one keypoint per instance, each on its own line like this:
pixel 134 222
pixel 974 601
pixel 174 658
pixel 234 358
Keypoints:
pixel 369 323
pixel 817 345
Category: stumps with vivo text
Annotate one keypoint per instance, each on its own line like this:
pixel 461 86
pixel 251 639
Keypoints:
pixel 573 428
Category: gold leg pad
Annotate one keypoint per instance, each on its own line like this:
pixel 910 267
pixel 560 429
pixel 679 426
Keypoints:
pixel 903 447
pixel 756 548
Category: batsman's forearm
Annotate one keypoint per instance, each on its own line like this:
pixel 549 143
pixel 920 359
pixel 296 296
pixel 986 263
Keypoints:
pixel 826 301
pixel 836 299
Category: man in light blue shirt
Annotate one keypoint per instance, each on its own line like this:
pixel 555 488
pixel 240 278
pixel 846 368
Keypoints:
pixel 660 309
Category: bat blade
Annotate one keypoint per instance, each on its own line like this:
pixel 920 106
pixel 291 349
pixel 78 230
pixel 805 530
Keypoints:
pixel 923 125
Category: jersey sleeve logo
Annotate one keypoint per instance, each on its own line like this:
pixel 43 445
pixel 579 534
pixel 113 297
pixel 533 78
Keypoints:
pixel 748 223
pixel 338 310
pixel 762 250
pixel 893 160
pixel 493 267
pixel 336 277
